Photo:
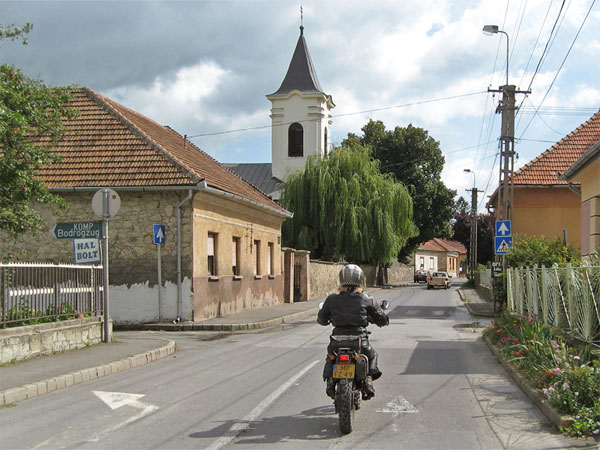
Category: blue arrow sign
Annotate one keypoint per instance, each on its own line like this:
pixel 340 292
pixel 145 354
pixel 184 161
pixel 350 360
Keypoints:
pixel 158 233
pixel 502 244
pixel 503 228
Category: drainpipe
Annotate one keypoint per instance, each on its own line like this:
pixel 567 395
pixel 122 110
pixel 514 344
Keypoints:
pixel 179 299
pixel 574 190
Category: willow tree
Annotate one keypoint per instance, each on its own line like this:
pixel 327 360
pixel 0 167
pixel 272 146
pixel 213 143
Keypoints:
pixel 346 210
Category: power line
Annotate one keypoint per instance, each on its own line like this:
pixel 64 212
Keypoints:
pixel 561 65
pixel 452 97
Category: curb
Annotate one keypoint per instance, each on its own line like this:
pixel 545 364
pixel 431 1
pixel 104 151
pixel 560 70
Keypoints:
pixel 14 395
pixel 289 318
pixel 473 312
pixel 536 398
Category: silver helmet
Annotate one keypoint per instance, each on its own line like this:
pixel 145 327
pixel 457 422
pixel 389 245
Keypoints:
pixel 351 275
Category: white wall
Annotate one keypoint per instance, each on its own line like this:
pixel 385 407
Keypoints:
pixel 138 303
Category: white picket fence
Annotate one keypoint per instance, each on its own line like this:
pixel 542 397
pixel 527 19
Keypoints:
pixel 561 297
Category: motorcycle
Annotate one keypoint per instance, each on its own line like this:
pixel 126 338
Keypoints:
pixel 350 370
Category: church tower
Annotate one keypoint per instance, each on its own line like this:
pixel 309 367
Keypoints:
pixel 300 115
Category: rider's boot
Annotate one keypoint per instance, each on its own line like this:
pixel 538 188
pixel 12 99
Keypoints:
pixel 368 391
pixel 330 389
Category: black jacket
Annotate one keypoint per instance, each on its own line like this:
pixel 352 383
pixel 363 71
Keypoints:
pixel 350 311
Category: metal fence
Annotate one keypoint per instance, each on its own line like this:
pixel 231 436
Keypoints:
pixel 37 292
pixel 567 298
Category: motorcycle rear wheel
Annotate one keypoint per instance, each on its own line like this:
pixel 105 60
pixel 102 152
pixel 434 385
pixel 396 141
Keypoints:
pixel 344 399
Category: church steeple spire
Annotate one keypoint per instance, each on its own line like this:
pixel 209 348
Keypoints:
pixel 301 74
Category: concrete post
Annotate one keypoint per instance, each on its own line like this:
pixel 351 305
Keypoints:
pixel 303 261
pixel 288 274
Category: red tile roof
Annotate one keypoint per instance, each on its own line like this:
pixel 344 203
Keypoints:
pixel 443 245
pixel 108 144
pixel 544 169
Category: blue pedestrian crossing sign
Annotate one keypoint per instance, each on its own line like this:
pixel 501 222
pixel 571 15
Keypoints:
pixel 502 244
pixel 503 228
pixel 158 233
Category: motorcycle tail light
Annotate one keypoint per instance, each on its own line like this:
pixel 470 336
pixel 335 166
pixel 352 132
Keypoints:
pixel 344 358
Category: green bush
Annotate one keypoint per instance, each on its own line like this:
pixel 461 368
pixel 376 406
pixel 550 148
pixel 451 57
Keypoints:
pixel 538 250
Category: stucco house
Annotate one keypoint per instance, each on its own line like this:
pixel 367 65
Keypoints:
pixel 586 172
pixel 443 255
pixel 544 203
pixel 222 251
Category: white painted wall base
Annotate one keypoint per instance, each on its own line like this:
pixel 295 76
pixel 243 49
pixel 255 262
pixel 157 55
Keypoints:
pixel 138 303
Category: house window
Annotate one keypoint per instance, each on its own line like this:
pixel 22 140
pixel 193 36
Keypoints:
pixel 270 259
pixel 422 262
pixel 431 265
pixel 235 255
pixel 295 140
pixel 211 251
pixel 257 268
pixel 326 147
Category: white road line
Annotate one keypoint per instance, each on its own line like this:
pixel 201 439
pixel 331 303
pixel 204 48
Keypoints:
pixel 239 427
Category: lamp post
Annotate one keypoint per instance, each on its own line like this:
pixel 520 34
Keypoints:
pixel 493 29
pixel 473 239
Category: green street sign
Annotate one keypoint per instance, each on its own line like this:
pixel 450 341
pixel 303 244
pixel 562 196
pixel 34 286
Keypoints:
pixel 78 230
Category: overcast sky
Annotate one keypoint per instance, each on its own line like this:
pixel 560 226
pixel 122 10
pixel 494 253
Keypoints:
pixel 205 66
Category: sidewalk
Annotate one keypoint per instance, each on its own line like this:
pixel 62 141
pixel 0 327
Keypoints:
pixel 475 303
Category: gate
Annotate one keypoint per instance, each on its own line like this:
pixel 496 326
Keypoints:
pixel 297 275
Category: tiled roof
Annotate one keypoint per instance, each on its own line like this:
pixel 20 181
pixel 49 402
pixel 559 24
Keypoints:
pixel 110 145
pixel 443 245
pixel 545 169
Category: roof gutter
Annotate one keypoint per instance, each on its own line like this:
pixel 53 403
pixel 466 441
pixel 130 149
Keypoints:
pixel 201 186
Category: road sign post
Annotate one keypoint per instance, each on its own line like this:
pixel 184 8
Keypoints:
pixel 158 234
pixel 106 204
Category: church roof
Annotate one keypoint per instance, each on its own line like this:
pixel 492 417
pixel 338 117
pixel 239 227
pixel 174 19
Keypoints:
pixel 301 74
pixel 109 145
pixel 259 175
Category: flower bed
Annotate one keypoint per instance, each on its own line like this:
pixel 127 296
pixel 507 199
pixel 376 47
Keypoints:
pixel 565 375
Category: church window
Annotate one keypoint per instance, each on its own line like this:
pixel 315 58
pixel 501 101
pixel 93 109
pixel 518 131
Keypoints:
pixel 295 140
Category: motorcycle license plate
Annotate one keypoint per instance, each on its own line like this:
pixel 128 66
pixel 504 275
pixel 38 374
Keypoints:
pixel 343 371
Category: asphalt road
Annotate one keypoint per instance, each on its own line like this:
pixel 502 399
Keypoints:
pixel 441 389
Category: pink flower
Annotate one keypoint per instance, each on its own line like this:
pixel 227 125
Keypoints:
pixel 576 358
pixel 515 341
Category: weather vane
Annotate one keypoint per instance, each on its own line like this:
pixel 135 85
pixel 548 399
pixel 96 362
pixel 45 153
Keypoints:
pixel 301 17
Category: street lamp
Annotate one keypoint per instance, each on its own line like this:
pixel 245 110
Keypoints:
pixel 470 171
pixel 473 238
pixel 493 29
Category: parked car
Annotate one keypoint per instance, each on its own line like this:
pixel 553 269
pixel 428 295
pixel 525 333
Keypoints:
pixel 420 275
pixel 438 279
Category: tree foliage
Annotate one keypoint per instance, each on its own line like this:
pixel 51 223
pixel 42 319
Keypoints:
pixel 416 160
pixel 532 250
pixel 346 210
pixel 461 231
pixel 31 123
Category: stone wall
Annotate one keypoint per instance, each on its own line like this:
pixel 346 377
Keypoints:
pixel 483 283
pixel 400 273
pixel 20 343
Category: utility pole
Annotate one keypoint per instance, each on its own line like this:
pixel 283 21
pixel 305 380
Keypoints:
pixel 504 210
pixel 473 238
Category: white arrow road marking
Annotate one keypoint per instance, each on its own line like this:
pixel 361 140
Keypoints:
pixel 398 406
pixel 239 427
pixel 116 400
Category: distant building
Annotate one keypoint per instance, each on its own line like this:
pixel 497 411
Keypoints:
pixel 441 255
pixel 301 124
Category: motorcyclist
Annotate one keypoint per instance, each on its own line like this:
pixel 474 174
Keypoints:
pixel 350 312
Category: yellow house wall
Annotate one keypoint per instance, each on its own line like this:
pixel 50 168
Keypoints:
pixel 224 293
pixel 589 179
pixel 547 211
